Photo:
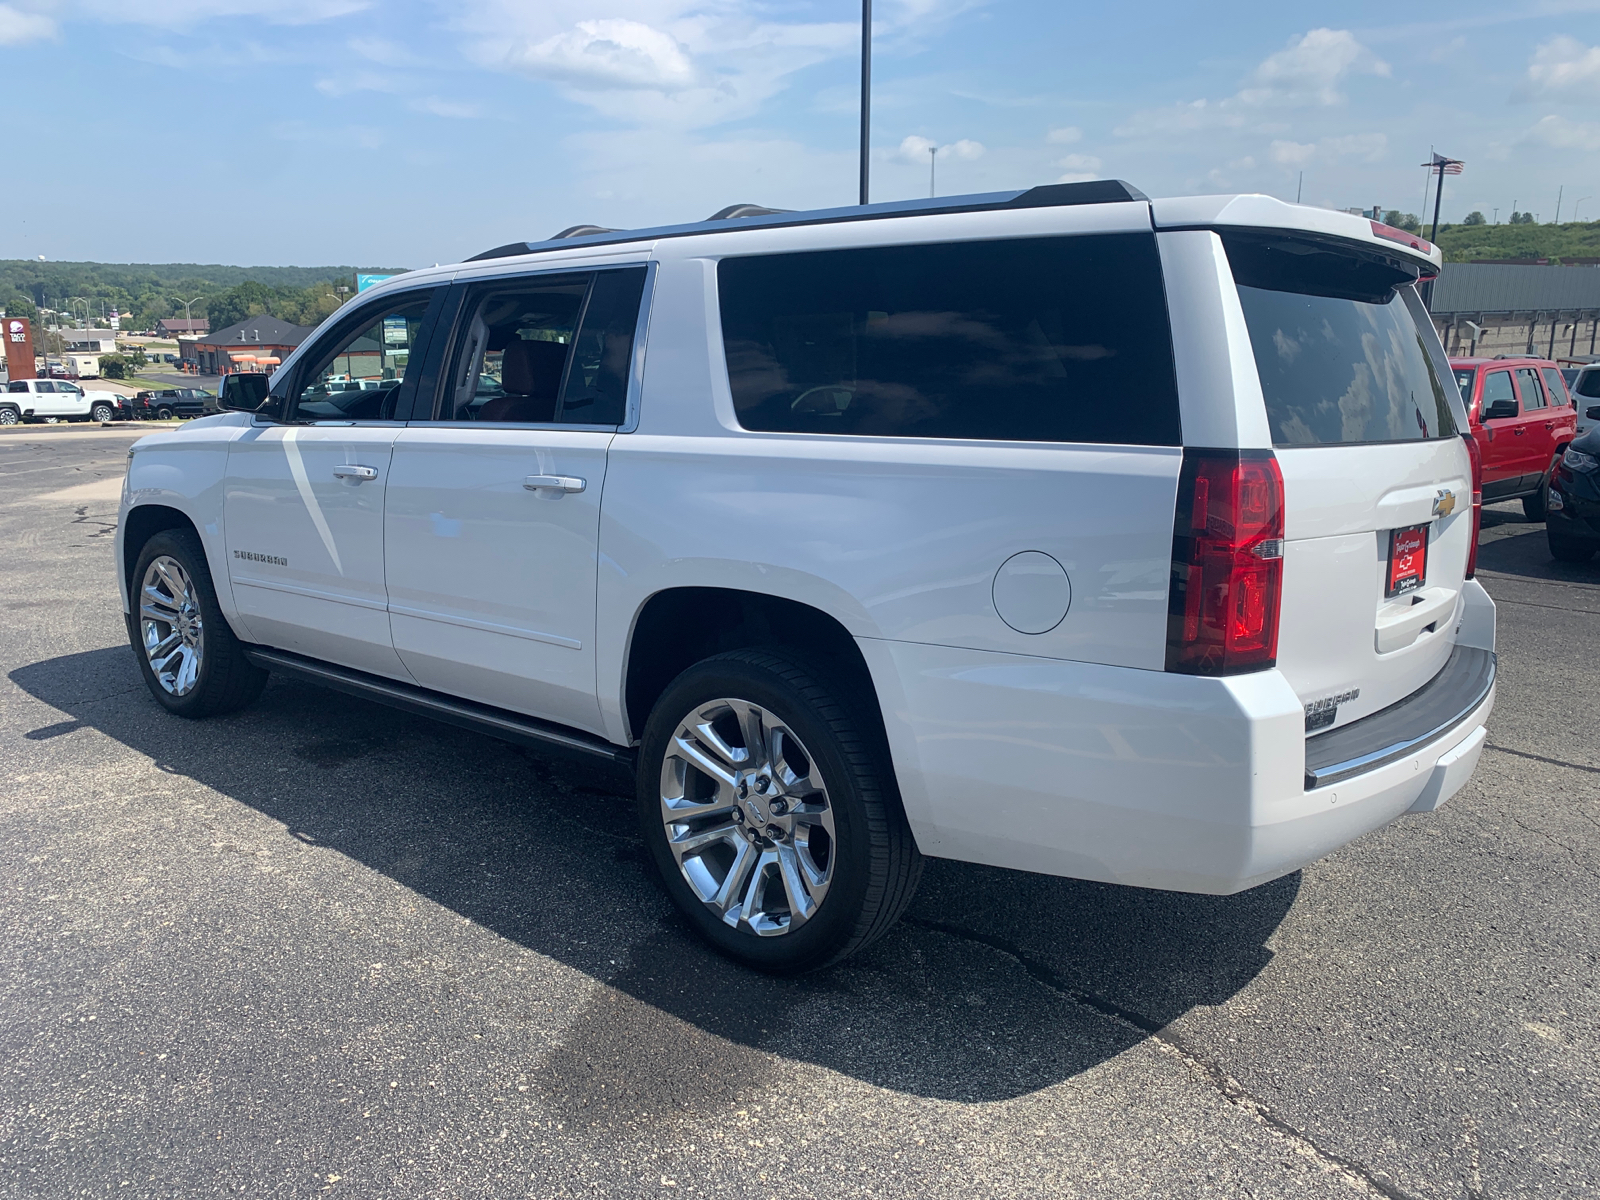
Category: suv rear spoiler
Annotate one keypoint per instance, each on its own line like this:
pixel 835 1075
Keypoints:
pixel 1265 212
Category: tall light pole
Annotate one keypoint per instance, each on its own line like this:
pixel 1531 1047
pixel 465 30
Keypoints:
pixel 933 162
pixel 186 304
pixel 866 94
pixel 1575 205
pixel 1562 191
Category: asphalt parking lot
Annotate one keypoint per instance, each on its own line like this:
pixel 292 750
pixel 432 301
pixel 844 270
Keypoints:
pixel 322 948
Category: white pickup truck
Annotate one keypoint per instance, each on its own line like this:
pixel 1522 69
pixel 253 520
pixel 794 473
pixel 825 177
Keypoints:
pixel 57 400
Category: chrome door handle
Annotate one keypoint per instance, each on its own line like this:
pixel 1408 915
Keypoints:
pixel 354 472
pixel 555 483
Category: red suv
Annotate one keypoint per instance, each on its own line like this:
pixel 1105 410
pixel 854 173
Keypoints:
pixel 1522 417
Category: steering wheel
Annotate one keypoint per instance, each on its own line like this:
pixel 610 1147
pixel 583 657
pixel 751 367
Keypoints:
pixel 831 400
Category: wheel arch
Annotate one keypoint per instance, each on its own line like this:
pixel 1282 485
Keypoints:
pixel 677 627
pixel 143 522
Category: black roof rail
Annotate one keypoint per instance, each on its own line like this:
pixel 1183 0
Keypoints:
pixel 1052 195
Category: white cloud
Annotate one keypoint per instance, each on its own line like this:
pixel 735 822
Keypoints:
pixel 181 14
pixel 17 27
pixel 1564 69
pixel 1079 168
pixel 437 107
pixel 1309 69
pixel 1368 147
pixel 1292 154
pixel 1305 73
pixel 1065 136
pixel 609 53
pixel 915 149
pixel 1562 134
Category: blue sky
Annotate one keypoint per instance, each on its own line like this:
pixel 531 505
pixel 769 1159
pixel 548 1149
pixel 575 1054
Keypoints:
pixel 407 132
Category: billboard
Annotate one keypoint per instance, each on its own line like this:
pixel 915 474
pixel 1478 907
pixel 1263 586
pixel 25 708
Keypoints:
pixel 19 348
pixel 363 282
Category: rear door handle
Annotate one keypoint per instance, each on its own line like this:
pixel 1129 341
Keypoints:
pixel 350 471
pixel 554 483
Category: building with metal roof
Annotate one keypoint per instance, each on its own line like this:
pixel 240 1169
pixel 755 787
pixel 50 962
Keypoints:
pixel 1492 308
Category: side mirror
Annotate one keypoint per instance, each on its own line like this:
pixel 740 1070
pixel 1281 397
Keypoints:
pixel 1500 410
pixel 246 393
pixel 1592 413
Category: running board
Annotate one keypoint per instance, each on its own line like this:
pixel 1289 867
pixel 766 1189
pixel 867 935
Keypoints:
pixel 480 718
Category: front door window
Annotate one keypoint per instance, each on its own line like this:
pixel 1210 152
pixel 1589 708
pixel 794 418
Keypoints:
pixel 359 376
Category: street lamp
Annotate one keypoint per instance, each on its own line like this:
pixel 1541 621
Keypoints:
pixel 933 160
pixel 186 304
pixel 1575 204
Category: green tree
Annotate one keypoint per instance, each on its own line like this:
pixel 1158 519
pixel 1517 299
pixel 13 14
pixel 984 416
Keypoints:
pixel 1402 220
pixel 1474 218
pixel 115 366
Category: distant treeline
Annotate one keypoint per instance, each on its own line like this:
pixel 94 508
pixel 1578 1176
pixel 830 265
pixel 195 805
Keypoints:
pixel 146 292
pixel 1465 243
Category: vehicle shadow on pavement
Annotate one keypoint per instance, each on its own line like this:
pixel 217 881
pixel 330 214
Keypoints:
pixel 995 985
pixel 1517 546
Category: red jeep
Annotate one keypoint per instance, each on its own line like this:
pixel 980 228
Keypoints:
pixel 1522 417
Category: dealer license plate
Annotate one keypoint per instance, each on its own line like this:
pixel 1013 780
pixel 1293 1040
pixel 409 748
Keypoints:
pixel 1408 560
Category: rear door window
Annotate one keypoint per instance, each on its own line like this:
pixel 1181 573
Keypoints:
pixel 1061 339
pixel 1532 392
pixel 1556 386
pixel 1588 385
pixel 1341 358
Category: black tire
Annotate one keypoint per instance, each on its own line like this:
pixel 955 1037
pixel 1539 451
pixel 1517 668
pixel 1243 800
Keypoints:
pixel 163 413
pixel 874 860
pixel 102 413
pixel 1569 549
pixel 9 415
pixel 226 680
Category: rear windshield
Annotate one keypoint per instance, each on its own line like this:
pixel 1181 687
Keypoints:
pixel 1588 384
pixel 1340 356
pixel 1464 379
pixel 1060 339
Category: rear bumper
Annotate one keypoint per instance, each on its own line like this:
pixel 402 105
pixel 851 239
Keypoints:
pixel 1148 778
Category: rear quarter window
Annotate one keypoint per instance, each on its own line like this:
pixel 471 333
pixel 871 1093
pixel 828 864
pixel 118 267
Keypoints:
pixel 1341 358
pixel 1062 339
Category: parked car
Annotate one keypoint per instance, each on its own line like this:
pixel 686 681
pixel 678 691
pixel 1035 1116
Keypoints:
pixel 52 400
pixel 1032 529
pixel 165 403
pixel 1572 527
pixel 1585 388
pixel 1522 418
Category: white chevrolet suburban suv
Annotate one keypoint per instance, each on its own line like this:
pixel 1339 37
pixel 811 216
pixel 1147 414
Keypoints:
pixel 1060 530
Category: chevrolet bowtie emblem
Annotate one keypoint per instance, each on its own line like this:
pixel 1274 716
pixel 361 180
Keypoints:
pixel 1444 503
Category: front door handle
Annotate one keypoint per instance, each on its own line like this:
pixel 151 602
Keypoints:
pixel 554 483
pixel 1519 431
pixel 350 471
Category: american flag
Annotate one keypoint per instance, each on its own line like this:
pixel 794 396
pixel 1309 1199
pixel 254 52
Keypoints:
pixel 1445 166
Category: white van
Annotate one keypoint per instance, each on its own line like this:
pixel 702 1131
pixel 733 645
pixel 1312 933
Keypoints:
pixel 1061 530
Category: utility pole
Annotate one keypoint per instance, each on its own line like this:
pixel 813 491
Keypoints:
pixel 1559 193
pixel 1299 187
pixel 1497 216
pixel 933 160
pixel 1576 205
pixel 866 94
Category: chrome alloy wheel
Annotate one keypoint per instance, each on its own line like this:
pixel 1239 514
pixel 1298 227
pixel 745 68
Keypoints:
pixel 170 625
pixel 747 817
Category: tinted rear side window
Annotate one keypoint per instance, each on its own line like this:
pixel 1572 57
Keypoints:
pixel 1588 384
pixel 1340 357
pixel 1040 340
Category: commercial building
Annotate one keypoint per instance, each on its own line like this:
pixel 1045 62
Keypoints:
pixel 173 327
pixel 253 344
pixel 1496 308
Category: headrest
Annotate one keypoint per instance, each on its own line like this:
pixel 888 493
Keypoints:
pixel 532 368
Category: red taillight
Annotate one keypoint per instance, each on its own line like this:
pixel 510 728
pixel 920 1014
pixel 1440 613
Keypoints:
pixel 1227 563
pixel 1476 455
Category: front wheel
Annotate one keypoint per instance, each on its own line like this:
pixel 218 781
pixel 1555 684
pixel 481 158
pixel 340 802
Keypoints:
pixel 10 416
pixel 771 815
pixel 190 660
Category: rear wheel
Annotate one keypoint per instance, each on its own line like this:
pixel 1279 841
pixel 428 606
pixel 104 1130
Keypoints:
pixel 190 660
pixel 1569 549
pixel 770 813
pixel 163 413
pixel 102 413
